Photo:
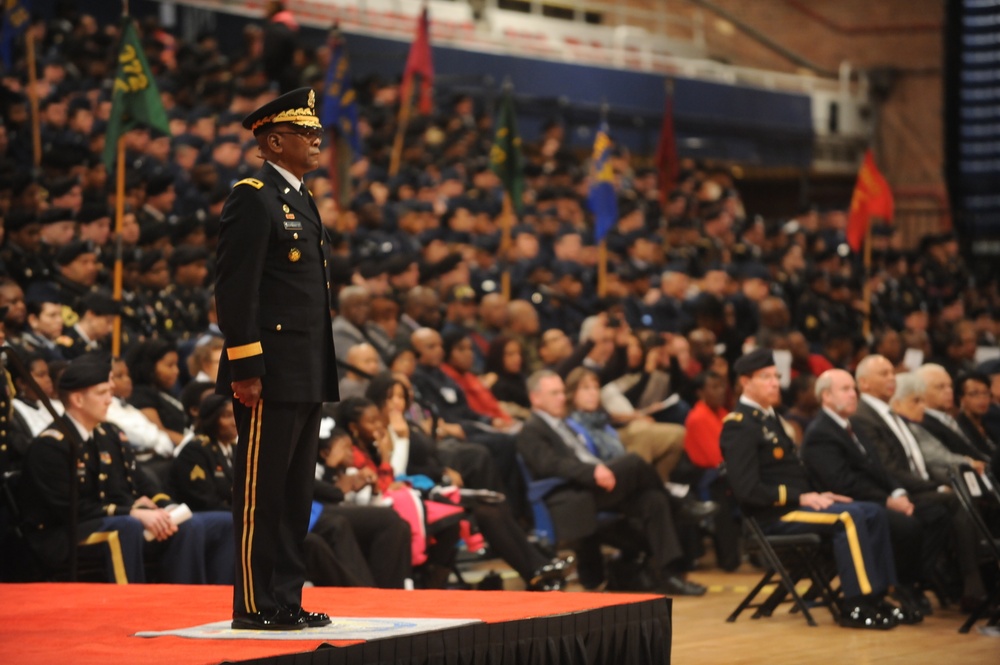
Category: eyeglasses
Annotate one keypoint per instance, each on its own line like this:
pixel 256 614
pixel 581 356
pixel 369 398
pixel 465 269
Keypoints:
pixel 309 134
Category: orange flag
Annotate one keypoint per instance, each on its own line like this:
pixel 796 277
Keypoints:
pixel 872 198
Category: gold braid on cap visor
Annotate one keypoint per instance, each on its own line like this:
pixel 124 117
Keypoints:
pixel 304 116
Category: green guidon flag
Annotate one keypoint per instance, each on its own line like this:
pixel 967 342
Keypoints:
pixel 506 159
pixel 135 99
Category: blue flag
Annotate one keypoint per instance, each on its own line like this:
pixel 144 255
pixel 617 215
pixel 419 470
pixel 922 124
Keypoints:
pixel 603 200
pixel 16 17
pixel 340 108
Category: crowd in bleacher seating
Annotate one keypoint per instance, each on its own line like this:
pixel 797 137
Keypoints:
pixel 416 261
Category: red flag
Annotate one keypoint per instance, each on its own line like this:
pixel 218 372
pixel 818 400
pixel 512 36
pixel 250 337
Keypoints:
pixel 872 198
pixel 419 62
pixel 667 163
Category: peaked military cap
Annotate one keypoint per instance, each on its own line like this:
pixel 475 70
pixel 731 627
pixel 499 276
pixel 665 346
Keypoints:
pixel 297 107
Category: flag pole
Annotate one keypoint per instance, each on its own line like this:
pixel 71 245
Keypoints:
pixel 602 268
pixel 333 170
pixel 663 194
pixel 36 122
pixel 403 121
pixel 116 338
pixel 116 293
pixel 505 243
pixel 867 288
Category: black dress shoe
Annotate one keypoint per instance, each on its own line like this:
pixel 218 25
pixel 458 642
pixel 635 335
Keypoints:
pixel 312 619
pixel 862 615
pixel 903 613
pixel 675 585
pixel 280 619
pixel 696 511
pixel 551 576
pixel 908 606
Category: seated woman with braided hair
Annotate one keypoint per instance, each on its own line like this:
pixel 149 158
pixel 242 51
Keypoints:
pixel 413 453
pixel 344 547
pixel 433 551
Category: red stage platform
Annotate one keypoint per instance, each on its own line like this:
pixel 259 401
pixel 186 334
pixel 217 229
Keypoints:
pixel 95 624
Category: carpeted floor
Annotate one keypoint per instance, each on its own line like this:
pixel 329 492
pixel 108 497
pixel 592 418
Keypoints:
pixel 95 624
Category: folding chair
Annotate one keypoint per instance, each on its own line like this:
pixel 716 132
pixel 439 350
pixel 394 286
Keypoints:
pixel 973 491
pixel 30 567
pixel 790 559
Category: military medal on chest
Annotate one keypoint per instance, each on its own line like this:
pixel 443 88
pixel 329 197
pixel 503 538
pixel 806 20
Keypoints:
pixel 294 254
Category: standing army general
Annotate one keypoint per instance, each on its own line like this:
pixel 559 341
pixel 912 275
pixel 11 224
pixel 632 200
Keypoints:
pixel 273 297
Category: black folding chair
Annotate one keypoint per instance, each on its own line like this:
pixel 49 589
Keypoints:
pixel 787 560
pixel 977 492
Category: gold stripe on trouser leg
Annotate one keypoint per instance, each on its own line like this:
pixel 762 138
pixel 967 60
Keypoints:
pixel 115 548
pixel 249 505
pixel 852 539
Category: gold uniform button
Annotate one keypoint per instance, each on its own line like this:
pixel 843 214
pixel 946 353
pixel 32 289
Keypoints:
pixel 324 264
pixel 295 236
pixel 320 243
pixel 277 327
pixel 328 286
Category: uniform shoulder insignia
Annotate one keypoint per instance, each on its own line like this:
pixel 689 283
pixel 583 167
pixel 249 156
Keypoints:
pixel 197 473
pixel 735 417
pixel 52 434
pixel 253 182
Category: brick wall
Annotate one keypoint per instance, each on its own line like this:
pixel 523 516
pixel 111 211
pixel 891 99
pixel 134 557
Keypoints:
pixel 904 36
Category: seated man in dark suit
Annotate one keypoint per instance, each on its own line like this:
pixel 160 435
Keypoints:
pixel 836 458
pixel 771 485
pixel 878 426
pixel 432 386
pixel 111 496
pixel 939 400
pixel 628 484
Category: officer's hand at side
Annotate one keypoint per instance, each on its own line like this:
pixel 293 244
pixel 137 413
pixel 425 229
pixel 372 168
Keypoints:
pixel 247 391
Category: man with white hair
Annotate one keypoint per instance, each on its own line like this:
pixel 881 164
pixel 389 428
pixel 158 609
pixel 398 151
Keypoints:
pixel 908 403
pixel 900 454
pixel 876 424
pixel 837 459
pixel 939 400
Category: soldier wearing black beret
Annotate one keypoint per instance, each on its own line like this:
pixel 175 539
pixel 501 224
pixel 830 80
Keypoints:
pixel 771 485
pixel 182 305
pixel 273 301
pixel 93 329
pixel 111 495
pixel 20 253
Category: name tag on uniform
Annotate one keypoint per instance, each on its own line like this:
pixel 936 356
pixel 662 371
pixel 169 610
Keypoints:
pixel 449 395
pixel 292 225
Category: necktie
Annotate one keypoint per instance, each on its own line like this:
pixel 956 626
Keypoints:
pixel 302 189
pixel 856 440
pixel 574 443
pixel 911 448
